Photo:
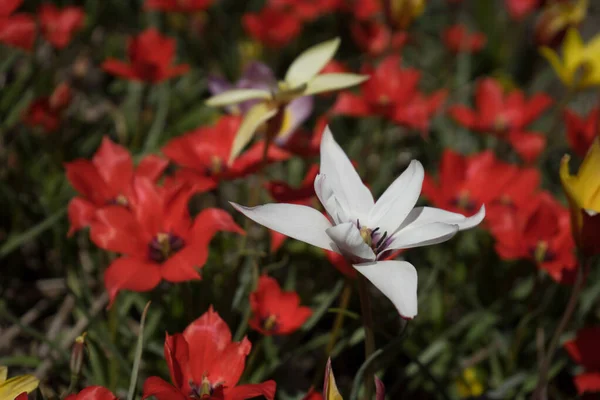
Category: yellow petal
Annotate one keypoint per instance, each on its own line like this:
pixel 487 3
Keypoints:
pixel 572 50
pixel 331 390
pixel 237 96
pixel 311 62
pixel 17 385
pixel 3 374
pixel 557 65
pixel 330 82
pixel 589 178
pixel 253 119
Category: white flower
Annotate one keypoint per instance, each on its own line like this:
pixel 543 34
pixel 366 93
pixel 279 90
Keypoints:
pixel 365 231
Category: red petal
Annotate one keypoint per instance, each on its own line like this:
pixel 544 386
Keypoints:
pixel 464 116
pixel 207 224
pixel 207 337
pixel 149 206
pixel 181 267
pixel 229 365
pixel 80 214
pixel 277 240
pixel 95 393
pixel 151 167
pixel 588 382
pixel 527 144
pixel 584 348
pixel 178 357
pixel 351 104
pixel 113 162
pixel 114 228
pixel 85 178
pixel 489 98
pixel 266 389
pixel 18 31
pixel 127 273
pixel 7 7
pixel 154 386
pixel 120 69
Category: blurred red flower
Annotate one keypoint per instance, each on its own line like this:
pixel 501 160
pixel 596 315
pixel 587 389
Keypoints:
pixel 150 55
pixel 581 131
pixel 364 9
pixel 307 10
pixel 16 30
pixel 505 116
pixel 205 363
pixel 182 6
pixel 313 395
pixel 418 112
pixel 307 144
pixel 275 312
pixel 540 230
pixel 157 237
pixel 59 25
pixel 458 39
pixel 93 393
pixel 519 9
pixel 106 180
pixel 272 27
pixel 46 112
pixel 585 352
pixel 465 183
pixel 202 154
pixel 375 38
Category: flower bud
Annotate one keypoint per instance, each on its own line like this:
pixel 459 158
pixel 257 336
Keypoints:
pixel 61 97
pixel 77 355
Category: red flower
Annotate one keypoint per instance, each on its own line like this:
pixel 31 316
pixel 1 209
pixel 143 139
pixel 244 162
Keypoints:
pixel 16 30
pixel 457 39
pixel 106 180
pixel 203 154
pixel 581 131
pixel 389 85
pixel 157 237
pixel 375 38
pixel 93 393
pixel 364 9
pixel 46 112
pixel 584 351
pixel 540 231
pixel 304 144
pixel 59 25
pixel 519 9
pixel 417 113
pixel 464 184
pixel 151 55
pixel 313 395
pixel 307 10
pixel 506 116
pixel 272 27
pixel 22 396
pixel 276 312
pixel 205 363
pixel 182 6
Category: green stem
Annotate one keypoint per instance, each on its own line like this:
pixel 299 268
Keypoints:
pixel 541 389
pixel 367 316
pixel 113 327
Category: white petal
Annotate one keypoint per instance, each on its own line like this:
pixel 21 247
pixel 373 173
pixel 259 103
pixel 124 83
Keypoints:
pixel 425 215
pixel 254 118
pixel 331 82
pixel 422 235
pixel 347 238
pixel 336 210
pixel 397 280
pixel 299 222
pixel 310 62
pixel 343 178
pixel 235 96
pixel 398 200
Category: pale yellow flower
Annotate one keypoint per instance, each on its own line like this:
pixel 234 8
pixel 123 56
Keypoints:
pixel 469 385
pixel 11 388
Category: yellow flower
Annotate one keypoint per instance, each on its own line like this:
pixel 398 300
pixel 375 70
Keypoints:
pixel 469 385
pixel 580 66
pixel 301 79
pixel 583 193
pixel 330 390
pixel 557 18
pixel 11 388
pixel 401 13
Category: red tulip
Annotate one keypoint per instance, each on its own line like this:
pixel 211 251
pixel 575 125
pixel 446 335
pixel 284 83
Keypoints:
pixel 93 393
pixel 16 30
pixel 182 6
pixel 581 131
pixel 457 39
pixel 106 180
pixel 205 363
pixel 59 25
pixel 418 112
pixel 46 112
pixel 540 231
pixel 156 236
pixel 203 154
pixel 375 38
pixel 276 312
pixel 307 10
pixel 506 116
pixel 272 27
pixel 584 351
pixel 519 9
pixel 150 55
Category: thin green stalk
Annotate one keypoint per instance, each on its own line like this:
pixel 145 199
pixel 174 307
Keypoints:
pixel 113 327
pixel 367 316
